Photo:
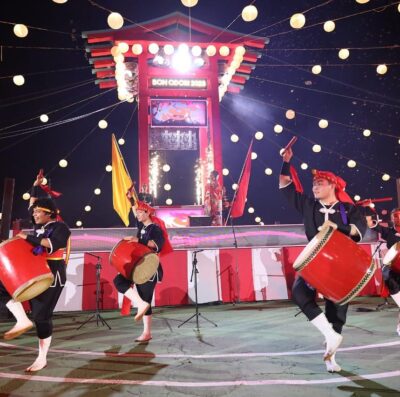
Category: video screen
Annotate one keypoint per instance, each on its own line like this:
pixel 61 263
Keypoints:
pixel 178 113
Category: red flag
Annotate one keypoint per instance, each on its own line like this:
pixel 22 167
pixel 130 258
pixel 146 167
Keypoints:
pixel 239 200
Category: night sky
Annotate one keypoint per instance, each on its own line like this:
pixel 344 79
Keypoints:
pixel 348 93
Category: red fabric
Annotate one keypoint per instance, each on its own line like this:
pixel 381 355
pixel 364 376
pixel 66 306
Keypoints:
pixel 241 194
pixel 142 206
pixel 338 181
pixel 52 193
pixel 289 255
pixel 236 275
pixel 296 180
pixel 126 306
pixel 167 247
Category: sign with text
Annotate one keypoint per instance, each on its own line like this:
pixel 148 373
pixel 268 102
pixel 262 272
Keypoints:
pixel 167 82
pixel 173 139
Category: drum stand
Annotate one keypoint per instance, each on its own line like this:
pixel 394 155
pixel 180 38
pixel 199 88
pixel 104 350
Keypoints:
pixel 96 314
pixel 194 275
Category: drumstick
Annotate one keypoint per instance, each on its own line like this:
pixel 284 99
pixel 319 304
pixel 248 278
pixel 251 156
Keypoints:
pixel 40 175
pixel 289 145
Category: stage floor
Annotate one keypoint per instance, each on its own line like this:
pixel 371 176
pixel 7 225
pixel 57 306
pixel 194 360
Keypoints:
pixel 256 350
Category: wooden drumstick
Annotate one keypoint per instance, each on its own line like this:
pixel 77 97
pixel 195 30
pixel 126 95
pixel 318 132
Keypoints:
pixel 289 145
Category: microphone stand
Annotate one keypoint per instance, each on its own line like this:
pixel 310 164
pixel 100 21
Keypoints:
pixel 96 314
pixel 194 275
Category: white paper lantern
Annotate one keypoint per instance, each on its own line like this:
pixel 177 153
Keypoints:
pixel 259 135
pixel 367 132
pixel 121 141
pixel 166 168
pixel 211 50
pixel 362 1
pixel 278 128
pixel 329 26
pixel 167 187
pixel 97 191
pixel 249 13
pixel 78 223
pixel 153 48
pixel 234 138
pixel 115 20
pixel 224 51
pixel 357 197
pixel 268 171
pixel 344 53
pixel 196 51
pixel 108 168
pixel 225 171
pixel 316 69
pixel 44 118
pixel 119 58
pixel 169 49
pixel 137 49
pixel 20 30
pixel 234 186
pixel 88 208
pixel 351 163
pixel 60 1
pixel 189 3
pixel 381 69
pixel 123 47
pixel 19 80
pixel 44 181
pixel 323 123
pixel 250 210
pixel 385 177
pixel 304 166
pixel 26 196
pixel 253 155
pixel 102 124
pixel 257 219
pixel 168 201
pixel 63 163
pixel 297 21
pixel 240 51
pixel 290 114
pixel 316 148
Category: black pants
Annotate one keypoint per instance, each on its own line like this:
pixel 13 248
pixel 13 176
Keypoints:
pixel 304 296
pixel 145 290
pixel 43 305
pixel 392 279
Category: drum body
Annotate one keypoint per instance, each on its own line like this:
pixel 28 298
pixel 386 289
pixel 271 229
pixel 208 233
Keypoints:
pixel 392 257
pixel 23 274
pixel 134 261
pixel 335 265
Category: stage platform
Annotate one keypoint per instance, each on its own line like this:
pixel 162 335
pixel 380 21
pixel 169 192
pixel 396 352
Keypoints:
pixel 257 349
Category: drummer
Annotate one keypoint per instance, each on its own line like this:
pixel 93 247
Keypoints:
pixel 392 236
pixel 155 237
pixel 331 206
pixel 51 237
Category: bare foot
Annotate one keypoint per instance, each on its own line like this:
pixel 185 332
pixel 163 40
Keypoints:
pixel 141 310
pixel 37 365
pixel 143 338
pixel 17 330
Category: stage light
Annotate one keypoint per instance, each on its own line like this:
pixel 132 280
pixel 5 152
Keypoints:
pixel 381 69
pixel 290 114
pixel 329 26
pixel 26 196
pixel 97 191
pixel 357 197
pixel 121 141
pixel 103 124
pixel 225 171
pixel 63 163
pixel 166 168
pixel 249 13
pixel 316 148
pixel 19 80
pixel 169 49
pixel 182 60
pixel 168 201
pixel 268 171
pixel 20 30
pixel 108 168
pixel 297 21
pixel 196 51
pixel 44 118
pixel 137 49
pixel 167 187
pixel 323 123
pixel 304 166
pixel 78 223
pixel 366 132
pixel 344 53
pixel 183 47
pixel 234 138
pixel 250 210
pixel 385 177
pixel 278 128
pixel 158 60
pixel 115 20
pixel 211 50
pixel 199 62
pixel 88 208
pixel 259 135
pixel 123 47
pixel 316 69
pixel 351 163
pixel 224 51
pixel 153 48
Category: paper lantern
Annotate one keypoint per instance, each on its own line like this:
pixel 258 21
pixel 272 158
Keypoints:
pixel 385 177
pixel 316 148
pixel 323 123
pixel 97 191
pixel 211 50
pixel 304 166
pixel 119 58
pixel 367 132
pixel 257 219
pixel 278 128
pixel 166 168
pixel 253 155
pixel 268 171
pixel 137 49
pixel 225 171
pixel 290 114
pixel 108 168
pixel 167 187
pixel 168 201
pixel 88 208
pixel 316 69
pixel 102 124
pixel 123 47
pixel 19 80
pixel 259 135
pixel 196 51
pixel 357 197
pixel 249 13
pixel 329 26
pixel 189 3
pixel 362 1
pixel 250 210
pixel 153 48
pixel 297 21
pixel 351 163
pixel 224 51
pixel 60 1
pixel 26 196
pixel 240 51
pixel 344 53
pixel 169 49
pixel 44 181
pixel 234 138
pixel 78 223
pixel 121 141
pixel 63 163
pixel 115 20
pixel 234 186
pixel 20 30
pixel 381 69
pixel 44 118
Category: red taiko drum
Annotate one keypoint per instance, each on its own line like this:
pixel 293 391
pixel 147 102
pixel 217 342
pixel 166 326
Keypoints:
pixel 134 261
pixel 23 274
pixel 392 257
pixel 335 265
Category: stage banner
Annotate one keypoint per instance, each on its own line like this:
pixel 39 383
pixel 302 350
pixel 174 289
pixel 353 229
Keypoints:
pixel 173 139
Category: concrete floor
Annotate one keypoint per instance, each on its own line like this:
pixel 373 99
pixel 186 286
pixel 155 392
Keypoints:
pixel 257 349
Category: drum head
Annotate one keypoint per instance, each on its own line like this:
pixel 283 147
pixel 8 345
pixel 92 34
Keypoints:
pixel 391 254
pixel 33 287
pixel 312 248
pixel 145 269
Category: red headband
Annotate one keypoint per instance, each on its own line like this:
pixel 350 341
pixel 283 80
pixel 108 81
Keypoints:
pixel 142 206
pixel 337 181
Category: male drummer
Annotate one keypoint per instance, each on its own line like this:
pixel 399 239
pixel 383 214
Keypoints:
pixel 50 237
pixel 155 237
pixel 391 235
pixel 329 207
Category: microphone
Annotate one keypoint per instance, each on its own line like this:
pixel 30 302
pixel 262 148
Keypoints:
pixel 95 256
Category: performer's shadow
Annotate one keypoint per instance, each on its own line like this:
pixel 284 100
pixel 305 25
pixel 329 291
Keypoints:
pixel 367 387
pixel 114 366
